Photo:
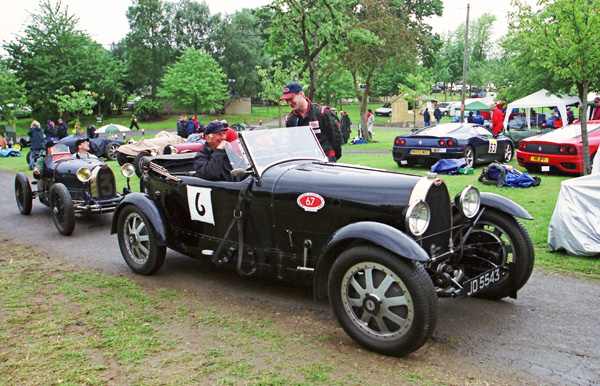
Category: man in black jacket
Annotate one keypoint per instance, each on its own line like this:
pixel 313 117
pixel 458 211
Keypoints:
pixel 319 118
pixel 212 163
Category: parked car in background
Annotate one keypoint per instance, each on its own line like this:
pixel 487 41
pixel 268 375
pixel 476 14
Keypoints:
pixel 133 151
pixel 448 108
pixel 292 216
pixel 130 103
pixel 561 149
pixel 384 111
pixel 71 186
pixel 451 140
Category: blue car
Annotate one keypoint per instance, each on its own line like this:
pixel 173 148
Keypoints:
pixel 451 140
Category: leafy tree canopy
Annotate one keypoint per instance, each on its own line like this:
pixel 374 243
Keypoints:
pixel 195 82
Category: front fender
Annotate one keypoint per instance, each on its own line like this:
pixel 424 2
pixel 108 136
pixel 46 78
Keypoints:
pixel 504 204
pixel 383 235
pixel 152 212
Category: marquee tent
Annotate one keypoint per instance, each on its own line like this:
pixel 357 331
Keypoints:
pixel 540 99
pixel 477 106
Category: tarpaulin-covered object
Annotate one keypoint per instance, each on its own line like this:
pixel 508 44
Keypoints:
pixel 449 166
pixel 575 223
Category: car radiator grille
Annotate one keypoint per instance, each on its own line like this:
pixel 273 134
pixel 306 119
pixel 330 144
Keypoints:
pixel 437 238
pixel 105 185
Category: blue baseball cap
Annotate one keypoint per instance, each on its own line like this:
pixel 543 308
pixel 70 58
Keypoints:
pixel 214 127
pixel 290 90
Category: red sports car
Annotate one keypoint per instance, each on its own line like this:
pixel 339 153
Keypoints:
pixel 561 149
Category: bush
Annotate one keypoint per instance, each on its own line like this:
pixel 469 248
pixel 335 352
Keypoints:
pixel 146 109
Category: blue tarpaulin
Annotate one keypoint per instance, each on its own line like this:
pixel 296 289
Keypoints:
pixel 10 153
pixel 449 166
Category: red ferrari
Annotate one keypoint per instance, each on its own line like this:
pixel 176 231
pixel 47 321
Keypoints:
pixel 561 149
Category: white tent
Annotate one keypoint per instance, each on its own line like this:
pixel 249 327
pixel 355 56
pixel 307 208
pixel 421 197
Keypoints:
pixel 540 99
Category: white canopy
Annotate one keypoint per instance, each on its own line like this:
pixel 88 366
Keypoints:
pixel 540 99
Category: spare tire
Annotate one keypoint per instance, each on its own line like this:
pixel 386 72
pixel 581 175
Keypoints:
pixel 138 163
pixel 122 159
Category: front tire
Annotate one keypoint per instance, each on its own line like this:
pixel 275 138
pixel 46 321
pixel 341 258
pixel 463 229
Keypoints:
pixel 23 193
pixel 63 212
pixel 383 302
pixel 138 242
pixel 469 154
pixel 501 239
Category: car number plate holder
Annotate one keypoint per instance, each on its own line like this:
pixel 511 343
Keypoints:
pixel 419 152
pixel 483 281
pixel 535 158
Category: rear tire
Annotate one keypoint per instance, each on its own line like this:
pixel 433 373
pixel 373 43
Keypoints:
pixel 469 154
pixel 23 193
pixel 110 151
pixel 385 303
pixel 508 153
pixel 63 212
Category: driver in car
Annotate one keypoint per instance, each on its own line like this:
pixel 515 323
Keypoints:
pixel 83 149
pixel 43 162
pixel 212 162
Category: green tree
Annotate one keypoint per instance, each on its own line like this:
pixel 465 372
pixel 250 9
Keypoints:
pixel 307 27
pixel 76 102
pixel 272 81
pixel 192 25
pixel 149 49
pixel 377 37
pixel 239 45
pixel 53 55
pixel 12 93
pixel 562 34
pixel 195 82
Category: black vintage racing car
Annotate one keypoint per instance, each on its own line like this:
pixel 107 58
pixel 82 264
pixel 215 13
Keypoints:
pixel 71 186
pixel 382 245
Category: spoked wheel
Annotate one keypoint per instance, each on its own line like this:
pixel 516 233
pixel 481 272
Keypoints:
pixel 508 153
pixel 110 151
pixel 23 193
pixel 138 242
pixel 385 303
pixel 470 156
pixel 63 212
pixel 498 239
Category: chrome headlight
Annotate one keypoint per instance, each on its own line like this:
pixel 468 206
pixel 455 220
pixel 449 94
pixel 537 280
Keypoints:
pixel 84 174
pixel 127 170
pixel 468 201
pixel 418 216
pixel 153 152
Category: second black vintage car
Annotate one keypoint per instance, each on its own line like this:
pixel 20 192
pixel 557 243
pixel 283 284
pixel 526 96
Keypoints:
pixel 71 186
pixel 381 245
